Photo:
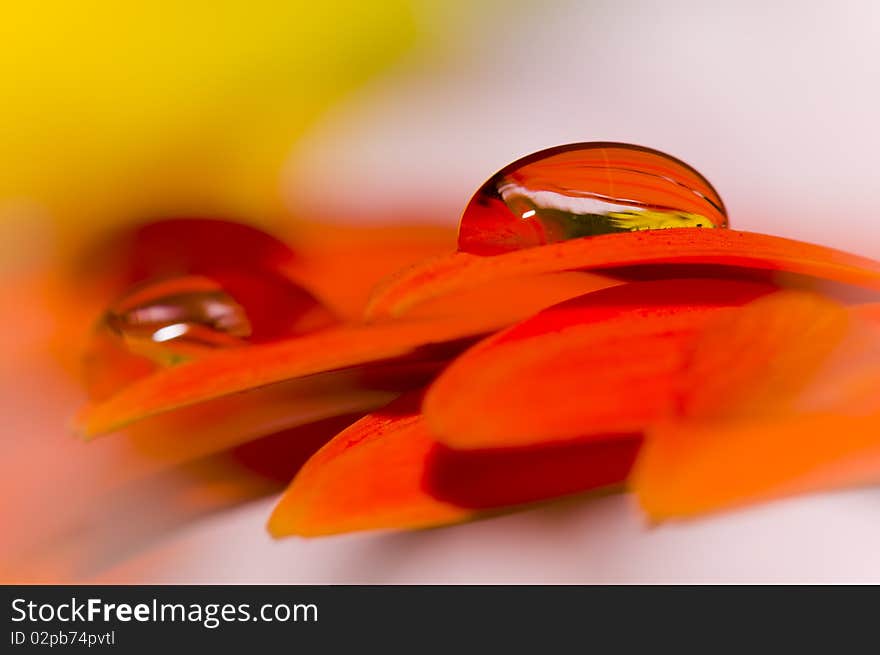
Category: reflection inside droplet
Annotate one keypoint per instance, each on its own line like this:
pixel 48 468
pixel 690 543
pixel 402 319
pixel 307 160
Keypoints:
pixel 179 318
pixel 170 332
pixel 586 189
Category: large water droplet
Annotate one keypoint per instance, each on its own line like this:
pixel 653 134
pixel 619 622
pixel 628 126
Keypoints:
pixel 582 190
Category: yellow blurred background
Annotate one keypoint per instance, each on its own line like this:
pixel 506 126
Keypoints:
pixel 115 112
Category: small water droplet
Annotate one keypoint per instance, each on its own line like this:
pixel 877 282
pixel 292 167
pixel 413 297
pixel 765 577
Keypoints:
pixel 582 190
pixel 170 321
pixel 179 317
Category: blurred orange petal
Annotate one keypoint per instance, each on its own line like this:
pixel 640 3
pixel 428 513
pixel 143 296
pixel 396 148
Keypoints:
pixel 370 476
pixel 514 299
pixel 240 369
pixel 793 408
pixel 756 361
pixel 607 362
pixel 386 471
pixel 180 246
pixel 248 367
pixel 445 275
pixel 692 469
pixel 216 425
pixel 338 264
pixel 341 263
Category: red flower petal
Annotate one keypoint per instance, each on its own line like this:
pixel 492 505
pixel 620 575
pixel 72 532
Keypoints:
pixel 240 369
pixel 367 477
pixel 513 299
pixel 792 407
pixel 472 313
pixel 458 271
pixel 501 477
pixel 607 362
pixel 341 264
pixel 692 469
pixel 386 471
pixel 216 425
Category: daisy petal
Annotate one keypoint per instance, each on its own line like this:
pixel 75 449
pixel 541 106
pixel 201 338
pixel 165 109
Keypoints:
pixel 502 477
pixel 387 471
pixel 607 362
pixel 370 476
pixel 341 263
pixel 511 300
pixel 795 411
pixel 692 469
pixel 452 273
pixel 216 425
pixel 241 369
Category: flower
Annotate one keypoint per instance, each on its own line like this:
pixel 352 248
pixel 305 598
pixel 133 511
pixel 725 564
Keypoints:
pixel 569 345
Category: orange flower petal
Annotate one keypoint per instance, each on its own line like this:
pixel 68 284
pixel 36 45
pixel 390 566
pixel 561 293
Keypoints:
pixel 179 246
pixel 869 311
pixel 216 425
pixel 341 264
pixel 691 469
pixel 476 312
pixel 386 471
pixel 367 477
pixel 758 360
pixel 795 410
pixel 448 274
pixel 514 299
pixel 240 369
pixel 607 362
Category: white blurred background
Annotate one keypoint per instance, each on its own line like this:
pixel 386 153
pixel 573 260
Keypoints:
pixel 777 103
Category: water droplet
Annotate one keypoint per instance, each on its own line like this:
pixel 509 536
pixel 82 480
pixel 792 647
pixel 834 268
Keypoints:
pixel 175 318
pixel 582 190
pixel 169 321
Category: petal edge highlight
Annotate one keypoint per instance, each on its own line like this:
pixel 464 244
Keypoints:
pixel 724 247
pixel 259 365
